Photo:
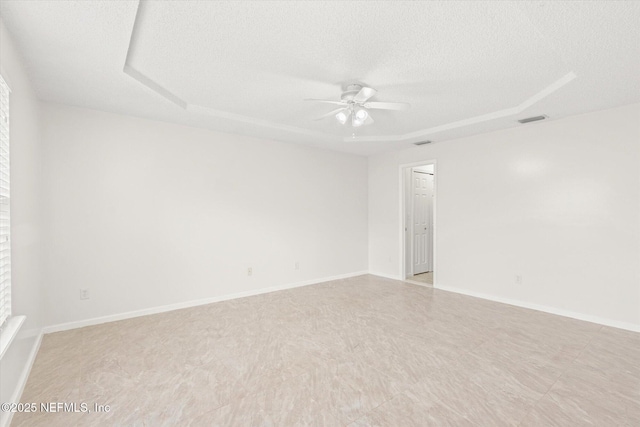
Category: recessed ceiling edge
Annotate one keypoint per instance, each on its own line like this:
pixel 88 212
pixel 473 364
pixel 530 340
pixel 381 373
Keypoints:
pixel 175 99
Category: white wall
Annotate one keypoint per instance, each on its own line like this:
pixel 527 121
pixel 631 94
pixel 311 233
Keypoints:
pixel 25 215
pixel 146 213
pixel 528 201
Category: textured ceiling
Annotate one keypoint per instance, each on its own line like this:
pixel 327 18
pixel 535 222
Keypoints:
pixel 246 67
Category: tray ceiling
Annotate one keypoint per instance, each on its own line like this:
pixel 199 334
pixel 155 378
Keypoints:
pixel 246 67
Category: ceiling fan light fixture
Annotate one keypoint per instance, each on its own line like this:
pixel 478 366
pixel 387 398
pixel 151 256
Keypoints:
pixel 342 117
pixel 362 115
pixel 354 103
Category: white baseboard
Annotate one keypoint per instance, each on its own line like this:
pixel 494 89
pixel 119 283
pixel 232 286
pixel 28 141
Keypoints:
pixel 161 309
pixel 6 417
pixel 546 309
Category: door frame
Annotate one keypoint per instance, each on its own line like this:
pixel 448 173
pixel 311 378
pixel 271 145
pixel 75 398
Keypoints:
pixel 402 203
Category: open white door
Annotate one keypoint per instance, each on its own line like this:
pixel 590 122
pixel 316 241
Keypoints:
pixel 422 223
pixel 430 223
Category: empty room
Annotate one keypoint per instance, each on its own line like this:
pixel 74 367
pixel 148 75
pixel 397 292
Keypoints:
pixel 319 213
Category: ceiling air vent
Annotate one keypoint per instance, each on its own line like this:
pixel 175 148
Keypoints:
pixel 532 119
pixel 422 142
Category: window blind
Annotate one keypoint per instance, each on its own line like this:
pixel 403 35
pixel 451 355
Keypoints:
pixel 5 229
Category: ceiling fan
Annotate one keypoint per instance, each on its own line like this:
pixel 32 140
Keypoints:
pixel 354 103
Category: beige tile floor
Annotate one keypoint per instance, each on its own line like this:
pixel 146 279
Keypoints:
pixel 424 278
pixel 364 351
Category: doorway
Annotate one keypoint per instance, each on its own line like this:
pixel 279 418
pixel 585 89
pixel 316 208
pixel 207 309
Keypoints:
pixel 418 213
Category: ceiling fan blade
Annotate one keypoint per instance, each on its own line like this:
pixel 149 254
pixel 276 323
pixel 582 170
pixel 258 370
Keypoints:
pixel 330 113
pixel 328 101
pixel 364 94
pixel 398 106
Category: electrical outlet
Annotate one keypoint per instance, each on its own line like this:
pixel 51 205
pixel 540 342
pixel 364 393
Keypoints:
pixel 297 265
pixel 518 280
pixel 249 271
pixel 84 293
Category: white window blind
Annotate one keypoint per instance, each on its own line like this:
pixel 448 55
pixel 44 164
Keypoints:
pixel 5 229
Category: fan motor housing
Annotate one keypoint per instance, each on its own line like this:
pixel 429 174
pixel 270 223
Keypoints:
pixel 351 91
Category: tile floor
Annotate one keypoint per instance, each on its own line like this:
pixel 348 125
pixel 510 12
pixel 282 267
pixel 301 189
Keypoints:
pixel 424 278
pixel 364 351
